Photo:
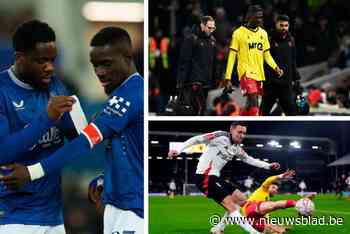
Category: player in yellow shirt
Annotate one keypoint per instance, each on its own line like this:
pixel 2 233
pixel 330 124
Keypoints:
pixel 251 46
pixel 258 205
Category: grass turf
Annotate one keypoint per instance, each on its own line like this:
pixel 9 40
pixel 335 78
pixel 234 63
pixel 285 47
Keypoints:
pixel 190 215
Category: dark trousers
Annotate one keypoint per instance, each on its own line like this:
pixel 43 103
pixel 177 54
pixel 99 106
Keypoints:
pixel 285 97
pixel 196 96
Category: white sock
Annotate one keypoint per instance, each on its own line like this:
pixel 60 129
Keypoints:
pixel 242 221
pixel 223 222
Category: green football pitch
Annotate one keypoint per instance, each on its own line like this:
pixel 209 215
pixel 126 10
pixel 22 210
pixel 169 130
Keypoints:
pixel 191 215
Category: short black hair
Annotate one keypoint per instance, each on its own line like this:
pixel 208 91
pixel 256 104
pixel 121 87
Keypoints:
pixel 282 18
pixel 252 9
pixel 238 123
pixel 111 36
pixel 28 34
pixel 206 18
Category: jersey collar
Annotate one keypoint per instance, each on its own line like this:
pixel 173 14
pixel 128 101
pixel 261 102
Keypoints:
pixel 131 76
pixel 16 80
pixel 250 29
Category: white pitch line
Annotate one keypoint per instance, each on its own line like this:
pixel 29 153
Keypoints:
pixel 333 212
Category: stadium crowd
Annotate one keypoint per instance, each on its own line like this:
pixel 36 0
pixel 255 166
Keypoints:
pixel 321 30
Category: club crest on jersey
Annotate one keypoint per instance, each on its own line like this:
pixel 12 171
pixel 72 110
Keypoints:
pixel 18 105
pixel 117 105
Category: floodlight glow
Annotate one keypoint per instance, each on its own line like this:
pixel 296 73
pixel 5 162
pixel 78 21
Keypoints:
pixel 273 143
pixel 295 144
pixel 260 145
pixel 113 11
pixel 155 142
pixel 159 157
pixel 315 147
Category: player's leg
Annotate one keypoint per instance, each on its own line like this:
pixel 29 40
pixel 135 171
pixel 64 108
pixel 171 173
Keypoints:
pixel 121 221
pixel 253 104
pixel 250 88
pixel 222 193
pixel 220 227
pixel 269 206
pixel 239 199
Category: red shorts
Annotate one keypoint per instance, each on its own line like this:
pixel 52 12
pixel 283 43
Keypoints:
pixel 249 86
pixel 252 212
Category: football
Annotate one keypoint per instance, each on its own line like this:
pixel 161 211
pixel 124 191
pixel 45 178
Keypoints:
pixel 305 207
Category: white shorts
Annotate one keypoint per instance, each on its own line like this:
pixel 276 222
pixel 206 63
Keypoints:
pixel 31 229
pixel 117 221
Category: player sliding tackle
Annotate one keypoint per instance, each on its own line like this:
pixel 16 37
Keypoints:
pixel 258 206
pixel 222 147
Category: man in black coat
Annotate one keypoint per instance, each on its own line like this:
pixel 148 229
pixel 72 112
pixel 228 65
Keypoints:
pixel 196 64
pixel 285 88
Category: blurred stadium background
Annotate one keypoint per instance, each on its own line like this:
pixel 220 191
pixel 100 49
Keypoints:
pixel 75 22
pixel 318 151
pixel 321 29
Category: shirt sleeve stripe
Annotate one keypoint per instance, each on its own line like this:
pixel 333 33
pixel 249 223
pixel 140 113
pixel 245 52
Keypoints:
pixel 93 134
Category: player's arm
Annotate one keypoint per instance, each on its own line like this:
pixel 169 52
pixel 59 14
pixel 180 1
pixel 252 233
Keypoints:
pixel 201 139
pixel 14 145
pixel 230 64
pixel 272 179
pixel 103 127
pixel 256 162
pixel 184 65
pixel 234 47
pixel 66 125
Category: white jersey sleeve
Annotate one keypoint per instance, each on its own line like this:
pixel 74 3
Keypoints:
pixel 201 139
pixel 253 161
pixel 221 150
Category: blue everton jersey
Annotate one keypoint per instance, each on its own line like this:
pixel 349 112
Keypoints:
pixel 123 174
pixel 27 136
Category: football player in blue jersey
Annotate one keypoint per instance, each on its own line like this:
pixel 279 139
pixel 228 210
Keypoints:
pixel 120 123
pixel 33 121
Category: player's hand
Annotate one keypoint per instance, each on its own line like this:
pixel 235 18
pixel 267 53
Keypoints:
pixel 58 105
pixel 279 71
pixel 275 166
pixel 173 153
pixel 289 174
pixel 18 177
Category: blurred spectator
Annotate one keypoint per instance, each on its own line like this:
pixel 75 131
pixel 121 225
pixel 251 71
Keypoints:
pixel 159 65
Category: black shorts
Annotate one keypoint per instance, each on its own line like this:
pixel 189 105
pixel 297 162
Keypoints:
pixel 214 187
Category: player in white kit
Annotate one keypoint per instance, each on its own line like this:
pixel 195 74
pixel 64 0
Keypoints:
pixel 222 147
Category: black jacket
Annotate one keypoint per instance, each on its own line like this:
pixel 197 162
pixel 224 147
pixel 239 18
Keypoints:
pixel 197 57
pixel 283 52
